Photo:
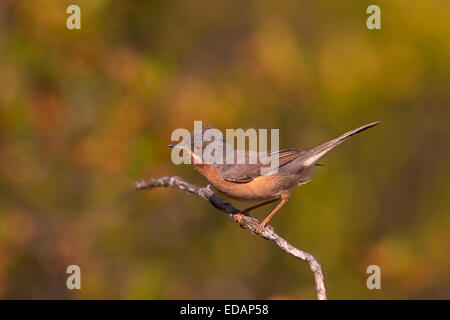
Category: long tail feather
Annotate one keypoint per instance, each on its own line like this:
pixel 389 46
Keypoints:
pixel 319 151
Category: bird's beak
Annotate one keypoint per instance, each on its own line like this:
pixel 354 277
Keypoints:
pixel 171 145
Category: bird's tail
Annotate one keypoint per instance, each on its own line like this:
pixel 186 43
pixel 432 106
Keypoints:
pixel 318 152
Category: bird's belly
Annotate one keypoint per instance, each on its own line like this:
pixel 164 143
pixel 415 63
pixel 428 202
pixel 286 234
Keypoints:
pixel 247 191
pixel 261 188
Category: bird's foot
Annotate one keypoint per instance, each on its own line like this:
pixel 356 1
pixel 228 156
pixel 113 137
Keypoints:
pixel 260 229
pixel 239 216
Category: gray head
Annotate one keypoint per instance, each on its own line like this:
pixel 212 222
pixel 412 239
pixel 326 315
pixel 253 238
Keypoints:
pixel 197 141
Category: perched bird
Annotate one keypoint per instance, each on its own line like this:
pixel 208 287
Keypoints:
pixel 245 182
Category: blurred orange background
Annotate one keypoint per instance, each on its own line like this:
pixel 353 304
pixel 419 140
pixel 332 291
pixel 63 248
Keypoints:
pixel 84 113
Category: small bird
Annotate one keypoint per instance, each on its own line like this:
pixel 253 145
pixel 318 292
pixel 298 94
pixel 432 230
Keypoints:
pixel 245 182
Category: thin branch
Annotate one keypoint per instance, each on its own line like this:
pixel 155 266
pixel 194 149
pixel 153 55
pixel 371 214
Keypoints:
pixel 245 221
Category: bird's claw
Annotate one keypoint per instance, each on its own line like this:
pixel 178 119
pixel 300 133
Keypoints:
pixel 260 229
pixel 238 217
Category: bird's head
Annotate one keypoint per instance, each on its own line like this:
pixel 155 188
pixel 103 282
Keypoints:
pixel 194 144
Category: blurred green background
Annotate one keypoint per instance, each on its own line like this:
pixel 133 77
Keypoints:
pixel 84 113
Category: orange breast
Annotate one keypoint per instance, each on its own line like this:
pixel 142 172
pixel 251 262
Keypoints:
pixel 261 188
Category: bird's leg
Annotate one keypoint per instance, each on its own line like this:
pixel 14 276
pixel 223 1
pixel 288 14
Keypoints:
pixel 238 217
pixel 245 211
pixel 267 219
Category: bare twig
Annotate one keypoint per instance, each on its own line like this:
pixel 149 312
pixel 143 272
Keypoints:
pixel 245 221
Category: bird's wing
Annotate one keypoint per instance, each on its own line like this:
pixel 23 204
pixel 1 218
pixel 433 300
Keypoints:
pixel 243 173
pixel 286 155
